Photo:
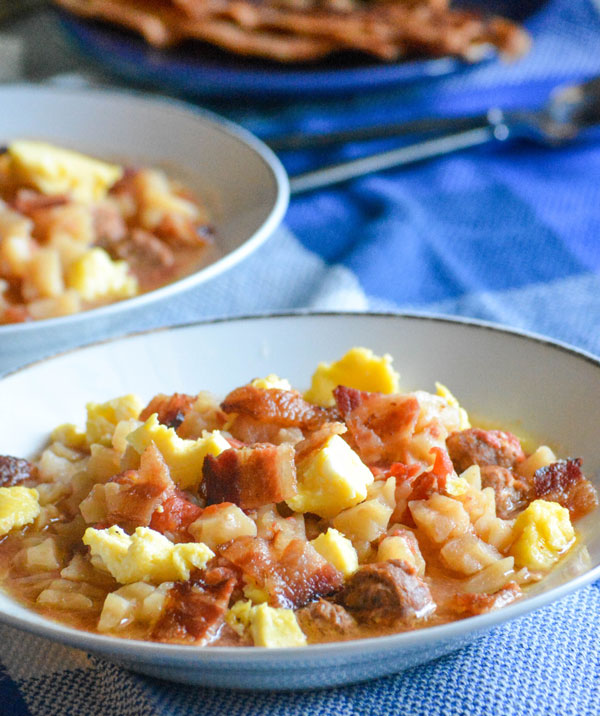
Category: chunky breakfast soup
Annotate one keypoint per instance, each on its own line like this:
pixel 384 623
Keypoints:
pixel 275 518
pixel 77 233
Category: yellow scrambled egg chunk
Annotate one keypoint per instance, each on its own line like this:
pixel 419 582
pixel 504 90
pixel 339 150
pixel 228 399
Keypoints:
pixel 102 418
pixel 443 392
pixel 359 368
pixel 145 556
pixel 271 381
pixel 183 457
pixel 331 480
pixel 543 532
pixel 96 277
pixel 268 626
pixel 54 170
pixel 19 506
pixel 338 550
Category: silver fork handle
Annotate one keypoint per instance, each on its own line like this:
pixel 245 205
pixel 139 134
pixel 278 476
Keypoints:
pixel 494 130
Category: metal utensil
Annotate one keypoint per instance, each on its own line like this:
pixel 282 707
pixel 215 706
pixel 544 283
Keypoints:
pixel 568 111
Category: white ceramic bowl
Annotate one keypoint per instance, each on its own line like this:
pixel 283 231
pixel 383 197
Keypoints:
pixel 240 179
pixel 509 377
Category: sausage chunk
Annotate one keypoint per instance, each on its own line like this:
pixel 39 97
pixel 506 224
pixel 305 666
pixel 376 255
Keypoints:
pixel 563 482
pixel 14 470
pixel 324 620
pixel 386 592
pixel 484 447
pixel 512 493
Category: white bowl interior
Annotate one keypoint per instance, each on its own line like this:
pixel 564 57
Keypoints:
pixel 509 378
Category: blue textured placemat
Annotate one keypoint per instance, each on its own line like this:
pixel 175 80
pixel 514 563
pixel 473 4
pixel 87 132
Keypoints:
pixel 509 235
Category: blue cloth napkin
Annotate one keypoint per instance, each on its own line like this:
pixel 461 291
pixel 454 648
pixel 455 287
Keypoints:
pixel 508 234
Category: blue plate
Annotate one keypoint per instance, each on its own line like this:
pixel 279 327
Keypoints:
pixel 198 70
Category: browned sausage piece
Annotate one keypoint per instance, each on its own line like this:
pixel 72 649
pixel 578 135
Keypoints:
pixel 386 592
pixel 171 409
pixel 484 447
pixel 563 482
pixel 14 470
pixel 324 620
pixel 512 492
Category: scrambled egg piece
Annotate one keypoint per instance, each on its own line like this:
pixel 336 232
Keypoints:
pixel 443 392
pixel 146 556
pixel 268 626
pixel 271 381
pixel 331 480
pixel 53 170
pixel 337 549
pixel 95 276
pixel 360 368
pixel 69 435
pixel 19 506
pixel 102 418
pixel 543 532
pixel 183 457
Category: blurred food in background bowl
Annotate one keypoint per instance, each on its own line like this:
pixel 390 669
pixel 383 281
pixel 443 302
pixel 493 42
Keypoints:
pixel 242 195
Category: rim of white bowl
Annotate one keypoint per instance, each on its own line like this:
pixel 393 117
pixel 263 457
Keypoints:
pixel 255 657
pixel 175 107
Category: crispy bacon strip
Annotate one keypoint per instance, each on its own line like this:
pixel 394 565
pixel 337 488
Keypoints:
pixel 194 610
pixel 171 409
pixel 250 476
pixel 285 408
pixel 293 578
pixel 381 426
pixel 14 470
pixel 564 482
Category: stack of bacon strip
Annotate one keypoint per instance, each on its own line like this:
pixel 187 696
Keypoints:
pixel 305 30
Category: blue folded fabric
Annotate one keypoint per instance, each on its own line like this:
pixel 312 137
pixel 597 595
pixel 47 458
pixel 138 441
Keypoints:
pixel 504 233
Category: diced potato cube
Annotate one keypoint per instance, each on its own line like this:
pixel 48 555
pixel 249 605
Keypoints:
pixel 145 556
pixel 220 523
pixel 492 578
pixel 330 480
pixel 183 457
pixel 468 554
pixel 543 532
pixel 97 277
pixel 273 627
pixel 19 506
pixel 102 418
pixel 384 491
pixel 122 429
pixel 495 531
pixel 68 601
pixel 478 502
pixel 44 275
pixel 65 304
pixel 359 368
pixel 542 457
pixel 53 170
pixel 43 557
pixel 398 547
pixel 364 522
pixel 337 549
pixel 472 475
pixel 440 517
pixel 139 602
pixel 16 253
pixel 443 392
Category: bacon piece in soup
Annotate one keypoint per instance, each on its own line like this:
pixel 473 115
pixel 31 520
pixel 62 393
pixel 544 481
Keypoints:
pixel 250 477
pixel 380 426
